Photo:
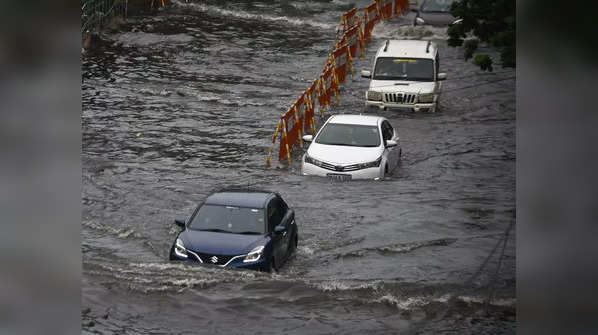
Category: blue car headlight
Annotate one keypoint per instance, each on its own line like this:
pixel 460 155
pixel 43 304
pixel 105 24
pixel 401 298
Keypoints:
pixel 311 160
pixel 179 249
pixel 368 165
pixel 254 255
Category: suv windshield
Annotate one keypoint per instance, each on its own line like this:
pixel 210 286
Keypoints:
pixel 229 219
pixel 442 6
pixel 350 135
pixel 411 69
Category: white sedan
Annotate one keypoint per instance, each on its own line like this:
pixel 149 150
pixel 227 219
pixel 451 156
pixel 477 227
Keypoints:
pixel 352 147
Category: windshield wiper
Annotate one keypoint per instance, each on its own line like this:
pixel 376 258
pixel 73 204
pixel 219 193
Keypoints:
pixel 250 233
pixel 216 230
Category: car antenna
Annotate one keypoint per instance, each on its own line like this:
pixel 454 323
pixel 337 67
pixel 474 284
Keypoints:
pixel 428 47
pixel 386 46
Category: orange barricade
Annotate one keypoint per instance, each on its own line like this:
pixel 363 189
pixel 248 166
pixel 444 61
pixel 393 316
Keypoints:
pixel 340 61
pixel 370 19
pixel 385 9
pixel 349 19
pixel 352 38
pixel 311 95
pixel 289 134
pixel 401 6
pixel 328 86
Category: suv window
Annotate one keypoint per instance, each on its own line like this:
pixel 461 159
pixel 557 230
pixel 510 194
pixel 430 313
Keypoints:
pixel 410 69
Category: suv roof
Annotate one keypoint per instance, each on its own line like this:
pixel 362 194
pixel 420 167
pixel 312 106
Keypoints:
pixel 366 120
pixel 240 198
pixel 408 48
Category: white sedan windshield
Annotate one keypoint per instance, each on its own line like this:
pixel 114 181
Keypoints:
pixel 350 135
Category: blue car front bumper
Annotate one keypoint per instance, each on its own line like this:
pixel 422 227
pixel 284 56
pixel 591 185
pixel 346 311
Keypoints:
pixel 234 262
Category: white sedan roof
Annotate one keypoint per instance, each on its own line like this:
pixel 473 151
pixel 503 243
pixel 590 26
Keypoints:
pixel 365 120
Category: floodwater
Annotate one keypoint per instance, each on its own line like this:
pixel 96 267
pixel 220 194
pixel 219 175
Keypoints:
pixel 185 102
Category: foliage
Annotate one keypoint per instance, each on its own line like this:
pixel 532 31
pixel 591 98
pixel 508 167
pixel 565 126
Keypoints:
pixel 491 22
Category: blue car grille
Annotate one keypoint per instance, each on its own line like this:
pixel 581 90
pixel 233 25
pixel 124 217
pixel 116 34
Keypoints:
pixel 209 258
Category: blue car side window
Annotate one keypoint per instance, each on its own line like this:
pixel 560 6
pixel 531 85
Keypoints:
pixel 275 213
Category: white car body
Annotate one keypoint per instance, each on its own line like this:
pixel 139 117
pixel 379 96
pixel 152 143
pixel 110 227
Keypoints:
pixel 347 162
pixel 412 94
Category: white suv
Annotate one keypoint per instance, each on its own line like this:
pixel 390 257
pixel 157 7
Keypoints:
pixel 405 75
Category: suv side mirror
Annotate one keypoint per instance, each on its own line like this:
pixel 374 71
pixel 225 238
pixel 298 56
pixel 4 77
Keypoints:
pixel 366 74
pixel 441 76
pixel 180 222
pixel 391 143
pixel 308 138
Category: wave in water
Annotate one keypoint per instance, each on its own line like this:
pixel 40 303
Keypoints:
pixel 217 11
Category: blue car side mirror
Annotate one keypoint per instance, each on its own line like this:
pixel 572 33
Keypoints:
pixel 280 229
pixel 180 222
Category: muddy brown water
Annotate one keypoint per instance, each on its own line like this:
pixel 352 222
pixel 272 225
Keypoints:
pixel 184 102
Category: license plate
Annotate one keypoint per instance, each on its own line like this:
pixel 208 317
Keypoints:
pixel 339 176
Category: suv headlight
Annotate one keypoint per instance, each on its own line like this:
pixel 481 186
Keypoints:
pixel 311 160
pixel 368 165
pixel 254 255
pixel 426 97
pixel 374 96
pixel 179 249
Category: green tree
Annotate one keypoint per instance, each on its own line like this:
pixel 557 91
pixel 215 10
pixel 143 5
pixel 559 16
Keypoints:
pixel 491 22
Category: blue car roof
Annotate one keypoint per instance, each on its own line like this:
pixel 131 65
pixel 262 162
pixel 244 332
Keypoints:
pixel 245 198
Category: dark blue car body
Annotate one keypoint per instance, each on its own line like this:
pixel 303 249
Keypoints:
pixel 278 238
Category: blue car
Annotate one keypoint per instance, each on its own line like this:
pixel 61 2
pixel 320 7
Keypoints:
pixel 238 229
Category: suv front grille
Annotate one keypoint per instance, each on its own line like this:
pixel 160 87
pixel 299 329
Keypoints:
pixel 401 98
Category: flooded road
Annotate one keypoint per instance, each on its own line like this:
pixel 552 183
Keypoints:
pixel 185 102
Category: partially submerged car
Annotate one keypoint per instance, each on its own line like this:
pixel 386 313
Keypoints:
pixel 435 13
pixel 238 229
pixel 352 147
pixel 406 75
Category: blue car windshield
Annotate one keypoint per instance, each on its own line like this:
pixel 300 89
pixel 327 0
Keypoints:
pixel 409 69
pixel 229 219
pixel 349 135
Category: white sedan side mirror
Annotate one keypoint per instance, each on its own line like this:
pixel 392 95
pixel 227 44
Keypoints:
pixel 441 76
pixel 391 143
pixel 366 74
pixel 308 138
